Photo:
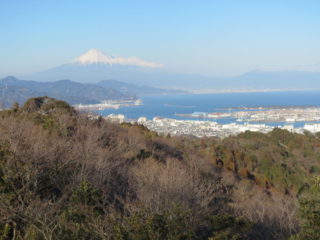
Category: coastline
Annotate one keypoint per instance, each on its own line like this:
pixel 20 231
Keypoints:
pixel 266 90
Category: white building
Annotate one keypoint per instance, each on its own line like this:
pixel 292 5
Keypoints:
pixel 142 120
pixel 120 118
pixel 313 128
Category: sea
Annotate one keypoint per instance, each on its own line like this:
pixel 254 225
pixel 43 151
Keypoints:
pixel 168 105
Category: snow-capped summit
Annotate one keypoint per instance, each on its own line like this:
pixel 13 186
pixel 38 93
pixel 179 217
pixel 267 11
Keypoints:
pixel 92 56
pixel 96 56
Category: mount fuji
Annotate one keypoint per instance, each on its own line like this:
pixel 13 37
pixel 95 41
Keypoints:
pixel 94 67
pixel 94 56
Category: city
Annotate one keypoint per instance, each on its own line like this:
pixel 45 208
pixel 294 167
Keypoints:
pixel 208 128
pixel 263 114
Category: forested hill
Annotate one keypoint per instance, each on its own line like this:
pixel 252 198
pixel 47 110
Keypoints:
pixel 64 175
pixel 14 90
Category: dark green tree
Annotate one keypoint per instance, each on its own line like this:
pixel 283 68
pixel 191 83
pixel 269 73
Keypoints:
pixel 310 213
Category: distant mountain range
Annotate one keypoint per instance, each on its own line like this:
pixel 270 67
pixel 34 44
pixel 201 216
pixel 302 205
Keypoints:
pixel 95 76
pixel 15 90
pixel 140 90
pixel 94 66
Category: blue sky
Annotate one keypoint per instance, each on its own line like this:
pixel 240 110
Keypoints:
pixel 212 37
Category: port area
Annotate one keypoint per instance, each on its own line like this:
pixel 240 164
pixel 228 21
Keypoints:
pixel 109 104
pixel 205 128
pixel 274 114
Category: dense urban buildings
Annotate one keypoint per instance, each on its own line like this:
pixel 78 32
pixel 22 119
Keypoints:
pixel 208 128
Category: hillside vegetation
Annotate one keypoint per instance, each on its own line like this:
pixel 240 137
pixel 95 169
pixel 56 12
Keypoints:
pixel 64 175
pixel 15 90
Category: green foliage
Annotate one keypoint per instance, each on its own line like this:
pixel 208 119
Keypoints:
pixel 46 105
pixel 145 225
pixel 48 123
pixel 281 173
pixel 314 169
pixel 225 227
pixel 5 231
pixel 15 107
pixel 310 213
pixel 283 159
pixel 86 194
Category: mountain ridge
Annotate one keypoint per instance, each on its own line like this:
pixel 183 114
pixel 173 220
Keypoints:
pixel 95 73
pixel 94 66
pixel 16 90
